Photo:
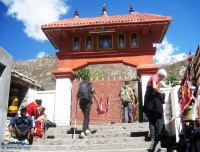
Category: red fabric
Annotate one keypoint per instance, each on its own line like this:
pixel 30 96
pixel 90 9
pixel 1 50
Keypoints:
pixel 153 78
pixel 32 109
pixel 100 109
pixel 134 113
pixel 38 126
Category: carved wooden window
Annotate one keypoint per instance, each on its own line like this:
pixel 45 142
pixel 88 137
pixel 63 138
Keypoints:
pixel 121 41
pixel 134 40
pixel 105 41
pixel 88 43
pixel 76 43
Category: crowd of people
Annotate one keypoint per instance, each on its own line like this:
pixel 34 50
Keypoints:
pixel 129 101
pixel 153 101
pixel 31 121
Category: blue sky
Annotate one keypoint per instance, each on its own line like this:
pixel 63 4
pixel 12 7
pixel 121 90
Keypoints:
pixel 21 35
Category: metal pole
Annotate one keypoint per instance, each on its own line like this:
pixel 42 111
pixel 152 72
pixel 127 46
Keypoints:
pixel 75 118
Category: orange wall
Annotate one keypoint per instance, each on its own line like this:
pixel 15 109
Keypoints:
pixel 145 41
pixel 141 57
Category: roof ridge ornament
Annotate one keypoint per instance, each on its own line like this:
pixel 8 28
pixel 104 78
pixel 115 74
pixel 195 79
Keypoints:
pixel 76 13
pixel 131 10
pixel 104 10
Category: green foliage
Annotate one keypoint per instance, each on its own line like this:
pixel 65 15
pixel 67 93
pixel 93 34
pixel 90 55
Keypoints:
pixel 94 75
pixel 80 74
pixel 172 78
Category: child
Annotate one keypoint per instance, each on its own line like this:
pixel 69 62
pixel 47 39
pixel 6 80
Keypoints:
pixel 40 123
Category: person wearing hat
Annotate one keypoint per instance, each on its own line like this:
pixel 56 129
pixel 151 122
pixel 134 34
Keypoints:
pixel 21 126
pixel 32 108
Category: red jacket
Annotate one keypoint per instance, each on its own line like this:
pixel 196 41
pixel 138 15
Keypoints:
pixel 32 109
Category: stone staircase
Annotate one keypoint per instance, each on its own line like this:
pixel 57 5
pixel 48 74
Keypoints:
pixel 104 138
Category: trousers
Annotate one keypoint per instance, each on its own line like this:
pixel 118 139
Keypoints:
pixel 85 106
pixel 156 126
pixel 128 112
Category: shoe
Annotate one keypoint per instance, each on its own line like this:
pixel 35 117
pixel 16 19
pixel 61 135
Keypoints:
pixel 153 144
pixel 26 142
pixel 50 136
pixel 15 140
pixel 82 135
pixel 87 132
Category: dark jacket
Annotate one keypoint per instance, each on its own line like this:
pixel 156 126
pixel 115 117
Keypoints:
pixel 153 103
pixel 22 122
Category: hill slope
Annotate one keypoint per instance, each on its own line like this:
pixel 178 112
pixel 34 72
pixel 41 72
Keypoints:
pixel 41 70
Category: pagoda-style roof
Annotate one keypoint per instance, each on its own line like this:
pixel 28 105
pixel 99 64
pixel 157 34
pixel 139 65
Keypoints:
pixel 107 20
pixel 138 22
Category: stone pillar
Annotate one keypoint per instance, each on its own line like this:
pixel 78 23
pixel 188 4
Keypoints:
pixel 63 96
pixel 63 101
pixel 5 76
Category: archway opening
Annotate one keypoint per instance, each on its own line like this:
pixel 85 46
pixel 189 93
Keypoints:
pixel 107 86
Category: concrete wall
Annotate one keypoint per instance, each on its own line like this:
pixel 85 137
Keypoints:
pixel 5 76
pixel 48 101
pixel 31 95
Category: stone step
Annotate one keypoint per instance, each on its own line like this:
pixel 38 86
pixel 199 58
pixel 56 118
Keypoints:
pixel 117 125
pixel 103 135
pixel 88 141
pixel 104 138
pixel 100 130
pixel 110 146
pixel 110 150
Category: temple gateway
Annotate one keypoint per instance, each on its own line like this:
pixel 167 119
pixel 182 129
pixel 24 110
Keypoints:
pixel 126 39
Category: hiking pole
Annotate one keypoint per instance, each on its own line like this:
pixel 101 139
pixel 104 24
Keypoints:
pixel 75 118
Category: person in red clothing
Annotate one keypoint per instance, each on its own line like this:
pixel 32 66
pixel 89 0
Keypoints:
pixel 41 123
pixel 32 108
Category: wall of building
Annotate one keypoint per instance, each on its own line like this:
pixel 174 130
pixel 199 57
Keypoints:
pixel 5 76
pixel 109 91
pixel 48 101
pixel 102 89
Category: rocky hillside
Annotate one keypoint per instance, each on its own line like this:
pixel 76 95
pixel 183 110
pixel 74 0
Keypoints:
pixel 41 70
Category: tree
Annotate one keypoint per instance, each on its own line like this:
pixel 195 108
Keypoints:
pixel 172 78
pixel 94 75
